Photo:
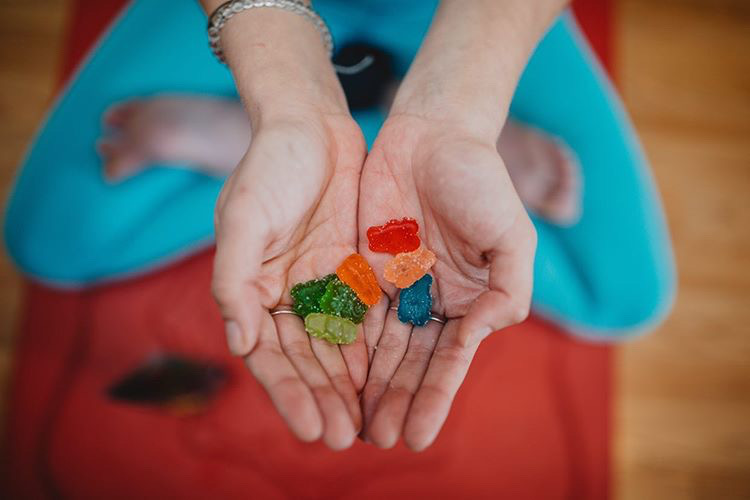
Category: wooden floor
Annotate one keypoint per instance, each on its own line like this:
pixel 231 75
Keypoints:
pixel 30 38
pixel 683 394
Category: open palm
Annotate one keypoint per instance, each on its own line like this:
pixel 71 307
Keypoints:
pixel 286 215
pixel 457 188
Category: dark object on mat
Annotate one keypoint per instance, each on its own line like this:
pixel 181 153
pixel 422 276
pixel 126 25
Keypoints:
pixel 182 385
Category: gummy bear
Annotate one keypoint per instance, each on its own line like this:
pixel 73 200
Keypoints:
pixel 406 268
pixel 331 328
pixel 340 300
pixel 357 273
pixel 394 237
pixel 307 295
pixel 415 302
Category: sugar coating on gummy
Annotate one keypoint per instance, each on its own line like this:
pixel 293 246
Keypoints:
pixel 340 300
pixel 406 268
pixel 357 273
pixel 415 302
pixel 307 295
pixel 394 237
pixel 331 328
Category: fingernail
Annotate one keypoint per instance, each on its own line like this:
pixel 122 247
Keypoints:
pixel 234 337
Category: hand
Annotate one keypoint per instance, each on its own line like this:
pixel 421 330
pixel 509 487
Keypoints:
pixel 288 214
pixel 456 186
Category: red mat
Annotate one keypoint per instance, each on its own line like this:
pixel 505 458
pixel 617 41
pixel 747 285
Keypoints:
pixel 532 420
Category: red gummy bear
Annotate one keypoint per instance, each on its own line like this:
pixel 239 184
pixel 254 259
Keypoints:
pixel 394 237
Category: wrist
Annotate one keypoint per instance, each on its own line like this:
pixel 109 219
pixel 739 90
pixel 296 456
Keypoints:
pixel 286 94
pixel 480 113
pixel 468 66
pixel 280 65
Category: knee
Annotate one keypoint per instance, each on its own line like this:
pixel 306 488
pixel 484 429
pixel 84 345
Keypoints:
pixel 631 306
pixel 48 241
pixel 33 252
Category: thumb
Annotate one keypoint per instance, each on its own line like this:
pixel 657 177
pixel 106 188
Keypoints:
pixel 240 244
pixel 508 299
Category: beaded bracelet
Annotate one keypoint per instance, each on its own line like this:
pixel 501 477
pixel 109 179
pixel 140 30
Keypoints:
pixel 227 10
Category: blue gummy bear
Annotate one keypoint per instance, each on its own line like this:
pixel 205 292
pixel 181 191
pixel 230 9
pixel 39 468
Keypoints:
pixel 415 302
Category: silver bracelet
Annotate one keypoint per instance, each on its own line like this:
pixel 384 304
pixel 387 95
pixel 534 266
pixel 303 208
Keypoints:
pixel 226 11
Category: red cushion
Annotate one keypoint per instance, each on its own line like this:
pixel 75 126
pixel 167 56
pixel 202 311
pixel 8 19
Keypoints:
pixel 531 421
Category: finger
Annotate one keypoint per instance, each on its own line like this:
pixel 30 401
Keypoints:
pixel 390 351
pixel 374 324
pixel 390 415
pixel 240 243
pixel 355 356
pixel 338 428
pixel 289 394
pixel 432 402
pixel 331 359
pixel 508 299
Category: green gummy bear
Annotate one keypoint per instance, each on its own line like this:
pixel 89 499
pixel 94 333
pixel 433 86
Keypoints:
pixel 307 295
pixel 340 300
pixel 331 328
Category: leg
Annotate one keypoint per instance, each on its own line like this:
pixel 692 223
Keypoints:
pixel 612 272
pixel 65 223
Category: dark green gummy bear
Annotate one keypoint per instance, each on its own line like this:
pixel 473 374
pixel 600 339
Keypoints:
pixel 307 295
pixel 340 300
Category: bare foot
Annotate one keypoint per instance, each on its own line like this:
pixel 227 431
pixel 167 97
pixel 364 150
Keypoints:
pixel 545 173
pixel 206 134
pixel 211 135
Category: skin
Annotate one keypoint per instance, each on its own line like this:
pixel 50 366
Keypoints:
pixel 304 194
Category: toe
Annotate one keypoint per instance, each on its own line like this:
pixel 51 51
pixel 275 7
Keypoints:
pixel 118 114
pixel 119 161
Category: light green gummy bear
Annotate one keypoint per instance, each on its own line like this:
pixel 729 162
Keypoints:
pixel 331 328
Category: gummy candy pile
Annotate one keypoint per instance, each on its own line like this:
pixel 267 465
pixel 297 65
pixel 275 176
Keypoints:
pixel 333 305
pixel 407 269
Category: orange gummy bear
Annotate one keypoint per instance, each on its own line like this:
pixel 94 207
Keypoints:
pixel 406 268
pixel 357 273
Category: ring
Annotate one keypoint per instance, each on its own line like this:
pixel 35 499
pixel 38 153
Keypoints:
pixel 282 310
pixel 437 318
